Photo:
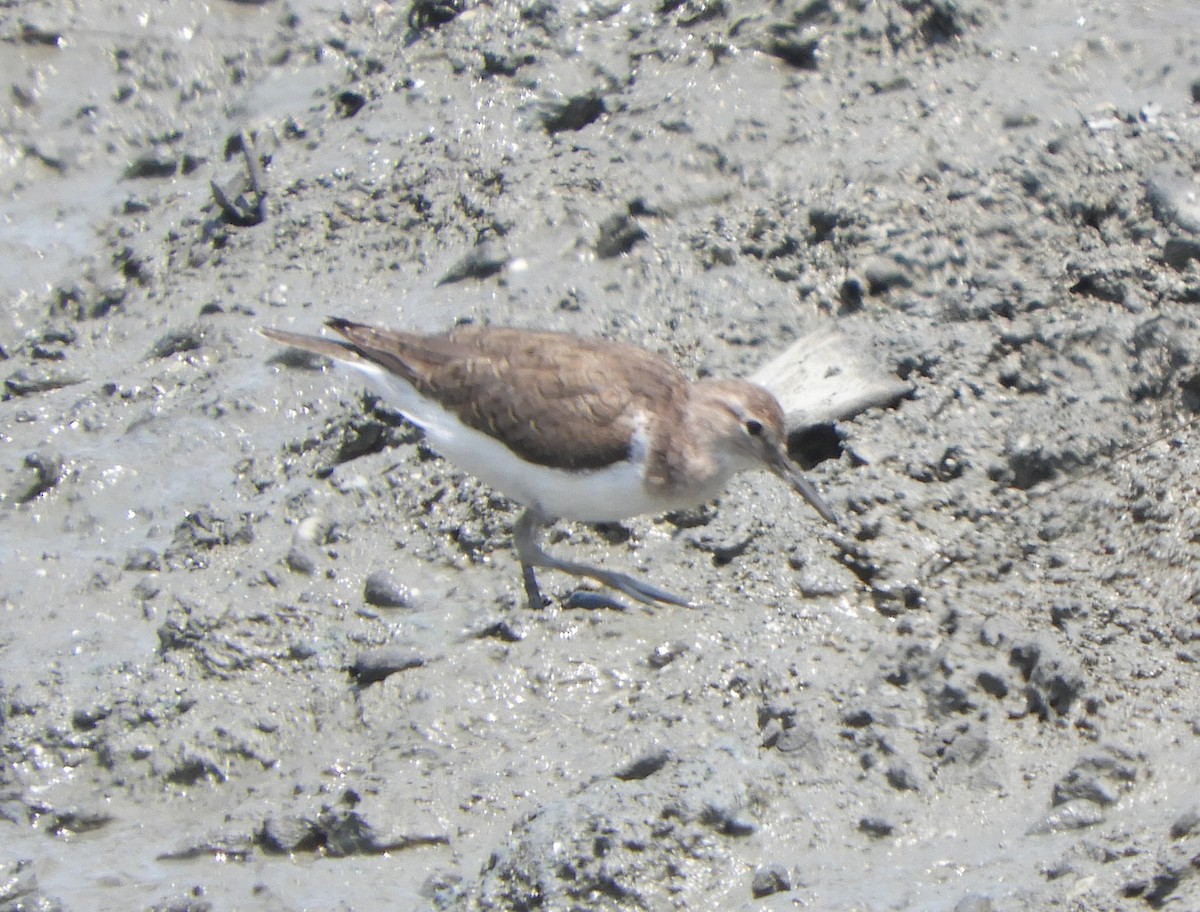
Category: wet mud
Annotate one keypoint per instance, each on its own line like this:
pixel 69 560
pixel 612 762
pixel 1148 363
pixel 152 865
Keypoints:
pixel 262 648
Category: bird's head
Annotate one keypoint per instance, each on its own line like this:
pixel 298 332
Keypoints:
pixel 753 434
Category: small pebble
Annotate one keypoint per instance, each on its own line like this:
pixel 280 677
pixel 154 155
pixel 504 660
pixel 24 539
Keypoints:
pixel 1188 824
pixel 375 665
pixel 177 341
pixel 770 879
pixel 666 653
pixel 875 826
pixel 901 778
pixel 300 561
pixel 384 592
pixel 644 766
pixel 884 274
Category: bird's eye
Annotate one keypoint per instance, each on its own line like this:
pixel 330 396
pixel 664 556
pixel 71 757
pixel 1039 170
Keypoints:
pixel 754 427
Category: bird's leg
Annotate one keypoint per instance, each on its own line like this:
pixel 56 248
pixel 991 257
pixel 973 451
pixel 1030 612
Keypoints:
pixel 528 552
pixel 531 555
pixel 532 591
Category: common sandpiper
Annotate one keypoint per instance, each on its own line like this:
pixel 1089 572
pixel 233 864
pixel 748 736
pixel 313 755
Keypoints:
pixel 570 427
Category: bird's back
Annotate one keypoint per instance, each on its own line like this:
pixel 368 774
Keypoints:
pixel 553 399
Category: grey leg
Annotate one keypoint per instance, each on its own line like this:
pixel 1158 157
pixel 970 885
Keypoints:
pixel 531 555
pixel 528 552
pixel 532 591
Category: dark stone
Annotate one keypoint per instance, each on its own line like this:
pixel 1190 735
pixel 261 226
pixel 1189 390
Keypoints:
pixel 382 591
pixel 574 113
pixel 770 879
pixel 501 630
pixel 300 561
pixel 45 470
pixel 618 234
pixel 950 699
pixel 287 834
pixel 801 54
pixel 433 14
pixel 1052 685
pixel 851 296
pixel 883 274
pixel 644 766
pixel 1178 252
pixel 726 823
pixel 857 718
pixel 35 34
pixel 349 103
pixel 375 665
pixel 1188 824
pixel 26 382
pixel 1098 778
pixel 876 827
pixel 152 166
pixel 992 683
pixel 483 261
pixel 495 64
pixel 900 777
pixel 177 341
pixel 88 719
pixel 72 821
pixel 666 653
pixel 1100 286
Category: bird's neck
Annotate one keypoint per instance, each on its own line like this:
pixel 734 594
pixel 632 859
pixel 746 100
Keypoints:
pixel 685 460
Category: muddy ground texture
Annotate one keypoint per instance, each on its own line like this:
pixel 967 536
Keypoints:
pixel 263 649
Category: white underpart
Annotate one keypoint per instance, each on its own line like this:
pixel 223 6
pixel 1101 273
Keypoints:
pixel 595 495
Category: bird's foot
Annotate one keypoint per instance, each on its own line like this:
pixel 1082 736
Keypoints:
pixel 646 593
pixel 532 556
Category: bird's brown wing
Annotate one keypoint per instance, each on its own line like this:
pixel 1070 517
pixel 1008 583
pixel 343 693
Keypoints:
pixel 553 399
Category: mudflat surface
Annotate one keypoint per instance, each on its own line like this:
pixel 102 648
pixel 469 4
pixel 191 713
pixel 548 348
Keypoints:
pixel 262 648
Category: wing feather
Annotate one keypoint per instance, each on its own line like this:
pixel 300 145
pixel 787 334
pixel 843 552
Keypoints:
pixel 554 399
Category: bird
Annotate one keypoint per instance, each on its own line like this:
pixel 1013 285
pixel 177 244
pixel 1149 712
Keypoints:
pixel 568 426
